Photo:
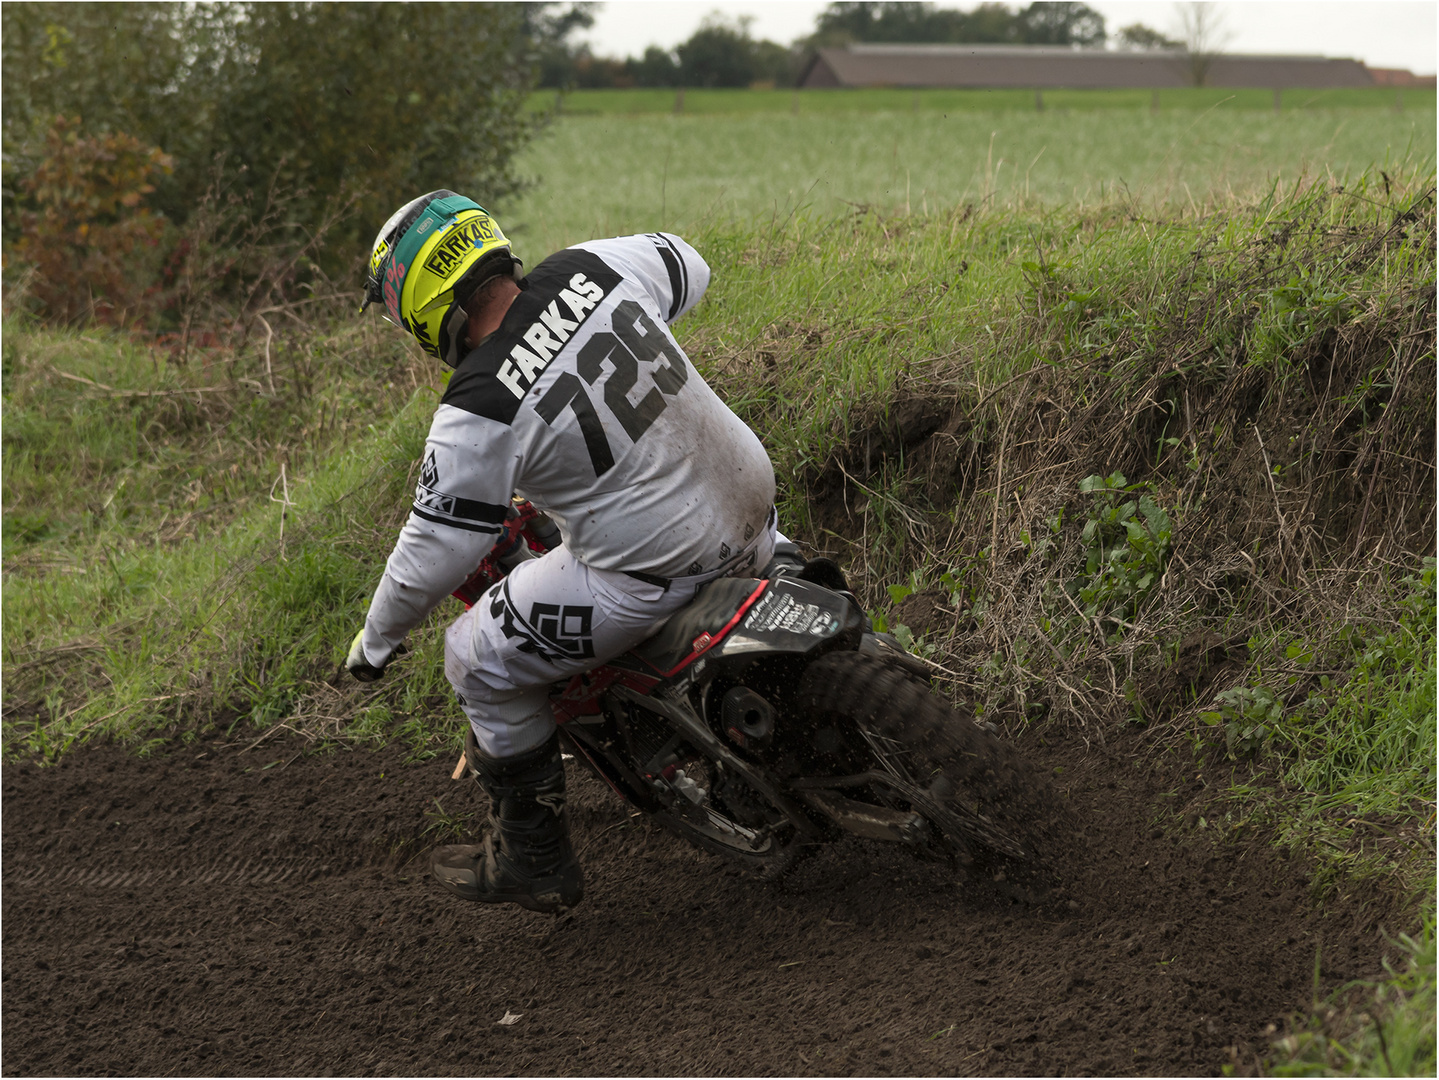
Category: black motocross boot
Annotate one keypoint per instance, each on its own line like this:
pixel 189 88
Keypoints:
pixel 525 856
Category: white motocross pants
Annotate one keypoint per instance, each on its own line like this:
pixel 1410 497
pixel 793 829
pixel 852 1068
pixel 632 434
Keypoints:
pixel 551 618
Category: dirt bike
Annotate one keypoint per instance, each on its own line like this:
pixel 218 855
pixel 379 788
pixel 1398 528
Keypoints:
pixel 767 717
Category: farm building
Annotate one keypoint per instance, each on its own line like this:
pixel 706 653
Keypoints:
pixel 1045 67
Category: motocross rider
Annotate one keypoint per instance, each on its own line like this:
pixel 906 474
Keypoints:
pixel 568 390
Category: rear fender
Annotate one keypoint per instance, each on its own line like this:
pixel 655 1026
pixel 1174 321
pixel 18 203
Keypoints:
pixel 739 616
pixel 796 616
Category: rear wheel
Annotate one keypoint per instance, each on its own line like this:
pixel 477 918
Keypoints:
pixel 715 809
pixel 911 751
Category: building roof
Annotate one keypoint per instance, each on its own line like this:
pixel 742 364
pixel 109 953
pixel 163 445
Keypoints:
pixel 1401 77
pixel 1050 66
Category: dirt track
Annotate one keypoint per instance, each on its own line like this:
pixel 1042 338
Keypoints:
pixel 233 911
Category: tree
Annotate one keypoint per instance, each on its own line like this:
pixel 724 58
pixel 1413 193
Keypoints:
pixel 866 21
pixel 1044 23
pixel 841 23
pixel 657 67
pixel 135 68
pixel 718 54
pixel 722 53
pixel 988 23
pixel 774 64
pixel 560 63
pixel 381 101
pixel 85 229
pixel 1204 35
pixel 590 72
pixel 1139 38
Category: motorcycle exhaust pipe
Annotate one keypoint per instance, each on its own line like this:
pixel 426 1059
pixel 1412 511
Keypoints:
pixel 748 718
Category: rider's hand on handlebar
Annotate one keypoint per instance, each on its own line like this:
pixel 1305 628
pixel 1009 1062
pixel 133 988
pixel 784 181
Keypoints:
pixel 362 669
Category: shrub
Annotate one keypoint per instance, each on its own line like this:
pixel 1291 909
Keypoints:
pixel 377 102
pixel 86 232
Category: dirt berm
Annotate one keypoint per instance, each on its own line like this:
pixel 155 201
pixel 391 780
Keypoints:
pixel 227 908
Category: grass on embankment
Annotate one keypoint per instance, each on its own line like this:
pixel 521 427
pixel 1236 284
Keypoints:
pixel 1169 471
pixel 111 442
pixel 1102 439
pixel 1384 1027
pixel 159 564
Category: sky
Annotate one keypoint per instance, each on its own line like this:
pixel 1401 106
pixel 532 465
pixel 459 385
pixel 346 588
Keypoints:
pixel 1382 33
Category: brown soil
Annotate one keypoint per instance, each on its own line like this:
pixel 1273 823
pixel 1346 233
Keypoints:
pixel 233 909
pixel 926 613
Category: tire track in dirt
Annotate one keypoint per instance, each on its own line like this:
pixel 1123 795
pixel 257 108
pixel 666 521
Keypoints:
pixel 253 871
pixel 195 913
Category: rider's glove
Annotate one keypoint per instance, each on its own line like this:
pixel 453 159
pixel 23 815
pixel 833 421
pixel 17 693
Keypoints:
pixel 362 669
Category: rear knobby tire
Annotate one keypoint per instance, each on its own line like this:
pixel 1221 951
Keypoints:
pixel 1003 807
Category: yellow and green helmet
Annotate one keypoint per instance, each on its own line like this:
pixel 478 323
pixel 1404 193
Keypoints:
pixel 426 263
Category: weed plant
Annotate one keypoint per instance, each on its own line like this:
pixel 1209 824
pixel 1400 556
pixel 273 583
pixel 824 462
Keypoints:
pixel 1380 1028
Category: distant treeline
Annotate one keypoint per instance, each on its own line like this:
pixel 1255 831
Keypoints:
pixel 723 53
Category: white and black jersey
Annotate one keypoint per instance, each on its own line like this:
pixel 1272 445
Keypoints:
pixel 583 403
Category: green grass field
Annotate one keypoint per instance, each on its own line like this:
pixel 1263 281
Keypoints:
pixel 603 169
pixel 701 102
